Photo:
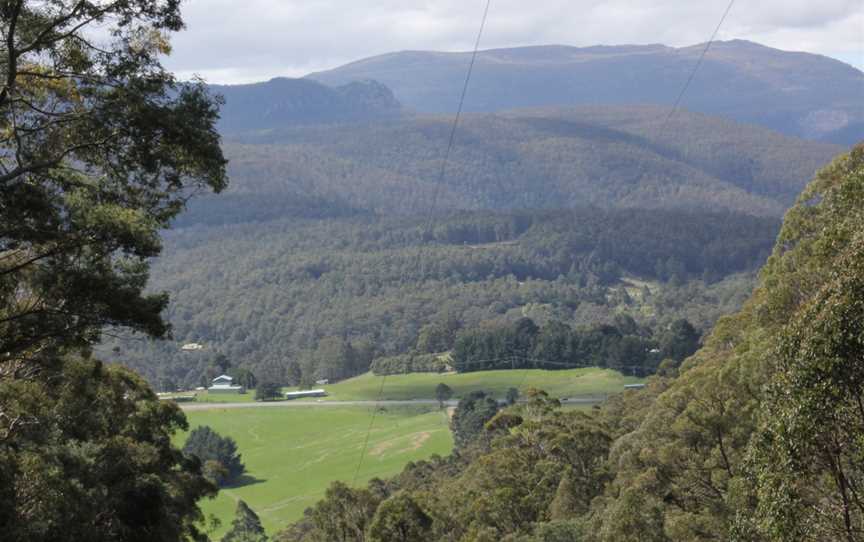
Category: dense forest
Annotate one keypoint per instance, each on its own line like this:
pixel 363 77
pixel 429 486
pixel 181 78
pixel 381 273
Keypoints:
pixel 325 297
pixel 756 437
pixel 337 243
pixel 550 158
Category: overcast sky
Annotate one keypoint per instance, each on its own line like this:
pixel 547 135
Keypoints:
pixel 237 41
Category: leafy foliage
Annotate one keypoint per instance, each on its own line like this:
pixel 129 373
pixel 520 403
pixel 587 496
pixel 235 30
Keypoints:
pixel 399 518
pixel 471 415
pixel 625 347
pixel 208 445
pixel 268 389
pixel 606 157
pixel 443 393
pixel 246 526
pixel 99 150
pixel 86 454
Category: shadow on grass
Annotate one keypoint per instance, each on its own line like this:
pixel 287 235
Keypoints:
pixel 243 481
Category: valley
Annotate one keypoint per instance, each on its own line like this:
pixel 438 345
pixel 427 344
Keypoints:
pixel 393 276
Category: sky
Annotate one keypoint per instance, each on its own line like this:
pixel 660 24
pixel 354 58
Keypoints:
pixel 241 41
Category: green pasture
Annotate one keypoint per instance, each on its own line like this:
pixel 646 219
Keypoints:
pixel 590 381
pixel 292 454
pixel 586 382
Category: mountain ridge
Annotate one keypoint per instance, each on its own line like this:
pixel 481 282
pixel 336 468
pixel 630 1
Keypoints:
pixel 282 100
pixel 536 158
pixel 738 79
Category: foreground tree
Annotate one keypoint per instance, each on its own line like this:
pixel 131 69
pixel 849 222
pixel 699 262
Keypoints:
pixel 246 526
pixel 809 459
pixel 400 518
pixel 471 414
pixel 87 455
pixel 99 150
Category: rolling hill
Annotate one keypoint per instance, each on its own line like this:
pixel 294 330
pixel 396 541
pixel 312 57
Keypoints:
pixel 543 158
pixel 741 80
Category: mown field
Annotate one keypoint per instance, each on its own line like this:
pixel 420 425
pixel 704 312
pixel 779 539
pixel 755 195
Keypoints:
pixel 292 455
pixel 591 381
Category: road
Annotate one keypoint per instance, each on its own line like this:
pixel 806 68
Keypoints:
pixel 192 407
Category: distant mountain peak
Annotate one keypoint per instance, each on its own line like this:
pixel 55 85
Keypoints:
pixel 739 79
pixel 282 102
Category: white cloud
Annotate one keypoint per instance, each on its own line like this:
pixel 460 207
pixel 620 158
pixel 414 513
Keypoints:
pixel 231 41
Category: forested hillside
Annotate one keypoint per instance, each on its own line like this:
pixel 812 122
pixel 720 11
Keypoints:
pixel 756 437
pixel 336 244
pixel 741 80
pixel 271 296
pixel 558 158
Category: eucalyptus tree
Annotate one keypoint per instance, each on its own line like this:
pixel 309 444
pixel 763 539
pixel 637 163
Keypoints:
pixel 100 148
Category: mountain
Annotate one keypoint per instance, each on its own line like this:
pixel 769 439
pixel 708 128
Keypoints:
pixel 741 80
pixel 282 101
pixel 531 159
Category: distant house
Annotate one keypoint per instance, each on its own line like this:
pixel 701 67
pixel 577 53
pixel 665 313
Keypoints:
pixel 191 347
pixel 222 384
pixel 305 393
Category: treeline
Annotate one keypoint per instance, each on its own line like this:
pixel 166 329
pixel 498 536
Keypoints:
pixel 623 345
pixel 269 296
pixel 411 362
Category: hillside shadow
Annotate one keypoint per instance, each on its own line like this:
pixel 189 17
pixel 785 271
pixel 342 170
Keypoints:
pixel 243 481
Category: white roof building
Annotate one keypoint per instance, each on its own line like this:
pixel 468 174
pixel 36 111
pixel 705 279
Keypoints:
pixel 223 383
pixel 305 393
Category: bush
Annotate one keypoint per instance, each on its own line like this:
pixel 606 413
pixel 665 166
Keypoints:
pixel 209 446
pixel 268 389
pixel 409 363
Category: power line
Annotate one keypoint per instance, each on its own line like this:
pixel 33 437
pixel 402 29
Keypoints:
pixel 692 75
pixel 442 173
pixel 369 430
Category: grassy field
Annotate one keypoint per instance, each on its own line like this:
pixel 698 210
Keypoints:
pixel 292 455
pixel 570 383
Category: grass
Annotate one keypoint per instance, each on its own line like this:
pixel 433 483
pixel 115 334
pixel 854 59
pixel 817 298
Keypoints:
pixel 292 455
pixel 590 381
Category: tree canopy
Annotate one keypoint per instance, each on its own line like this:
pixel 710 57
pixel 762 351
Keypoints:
pixel 100 148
